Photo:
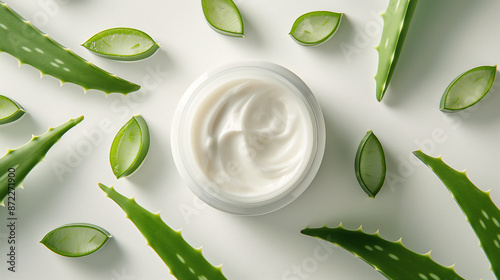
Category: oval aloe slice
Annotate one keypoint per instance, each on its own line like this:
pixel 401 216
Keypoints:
pixel 370 164
pixel 122 44
pixel 314 28
pixel 468 88
pixel 130 147
pixel 76 240
pixel 10 110
pixel 223 16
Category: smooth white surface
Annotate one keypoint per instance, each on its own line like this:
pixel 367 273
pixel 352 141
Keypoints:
pixel 446 38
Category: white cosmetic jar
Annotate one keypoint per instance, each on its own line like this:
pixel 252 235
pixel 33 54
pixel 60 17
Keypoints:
pixel 248 137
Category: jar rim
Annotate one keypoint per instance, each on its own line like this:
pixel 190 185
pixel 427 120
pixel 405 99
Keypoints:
pixel 209 193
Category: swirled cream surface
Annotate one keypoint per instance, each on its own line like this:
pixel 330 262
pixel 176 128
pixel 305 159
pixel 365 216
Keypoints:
pixel 251 135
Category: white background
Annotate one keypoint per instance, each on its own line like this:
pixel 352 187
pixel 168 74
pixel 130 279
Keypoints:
pixel 446 38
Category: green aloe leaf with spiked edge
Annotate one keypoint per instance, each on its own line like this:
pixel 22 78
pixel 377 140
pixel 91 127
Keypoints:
pixel 392 259
pixel 223 16
pixel 397 20
pixel 482 214
pixel 122 43
pixel 76 240
pixel 396 262
pixel 468 89
pixel 184 261
pixel 23 41
pixel 10 110
pixel 17 163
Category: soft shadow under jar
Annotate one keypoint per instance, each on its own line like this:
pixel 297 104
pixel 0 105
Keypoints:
pixel 248 137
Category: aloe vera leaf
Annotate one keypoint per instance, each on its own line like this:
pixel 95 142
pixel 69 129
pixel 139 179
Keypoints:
pixel 76 240
pixel 184 261
pixel 223 16
pixel 391 259
pixel 369 164
pixel 397 20
pixel 482 214
pixel 122 43
pixel 130 147
pixel 10 110
pixel 468 88
pixel 23 41
pixel 22 160
pixel 314 28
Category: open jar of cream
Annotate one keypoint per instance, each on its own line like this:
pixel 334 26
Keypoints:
pixel 248 137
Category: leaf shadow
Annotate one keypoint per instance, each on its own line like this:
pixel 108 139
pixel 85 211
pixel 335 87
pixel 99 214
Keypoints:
pixel 425 45
pixel 20 130
pixel 345 33
pixel 252 37
pixel 155 167
pixel 100 261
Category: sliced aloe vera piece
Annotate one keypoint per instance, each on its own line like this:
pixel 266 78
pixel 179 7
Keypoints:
pixel 130 147
pixel 468 88
pixel 223 16
pixel 314 28
pixel 122 44
pixel 10 110
pixel 370 164
pixel 76 240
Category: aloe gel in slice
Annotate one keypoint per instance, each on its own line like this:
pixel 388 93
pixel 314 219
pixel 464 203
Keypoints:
pixel 122 44
pixel 130 147
pixel 10 110
pixel 468 88
pixel 370 166
pixel 76 240
pixel 223 16
pixel 314 28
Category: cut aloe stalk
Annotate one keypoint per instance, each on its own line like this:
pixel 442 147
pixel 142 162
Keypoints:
pixel 76 240
pixel 130 147
pixel 29 45
pixel 482 213
pixel 19 162
pixel 10 110
pixel 397 19
pixel 392 259
pixel 468 88
pixel 122 44
pixel 184 261
pixel 370 164
pixel 223 16
pixel 314 28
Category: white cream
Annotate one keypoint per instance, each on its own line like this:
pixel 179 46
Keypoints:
pixel 248 137
pixel 252 137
